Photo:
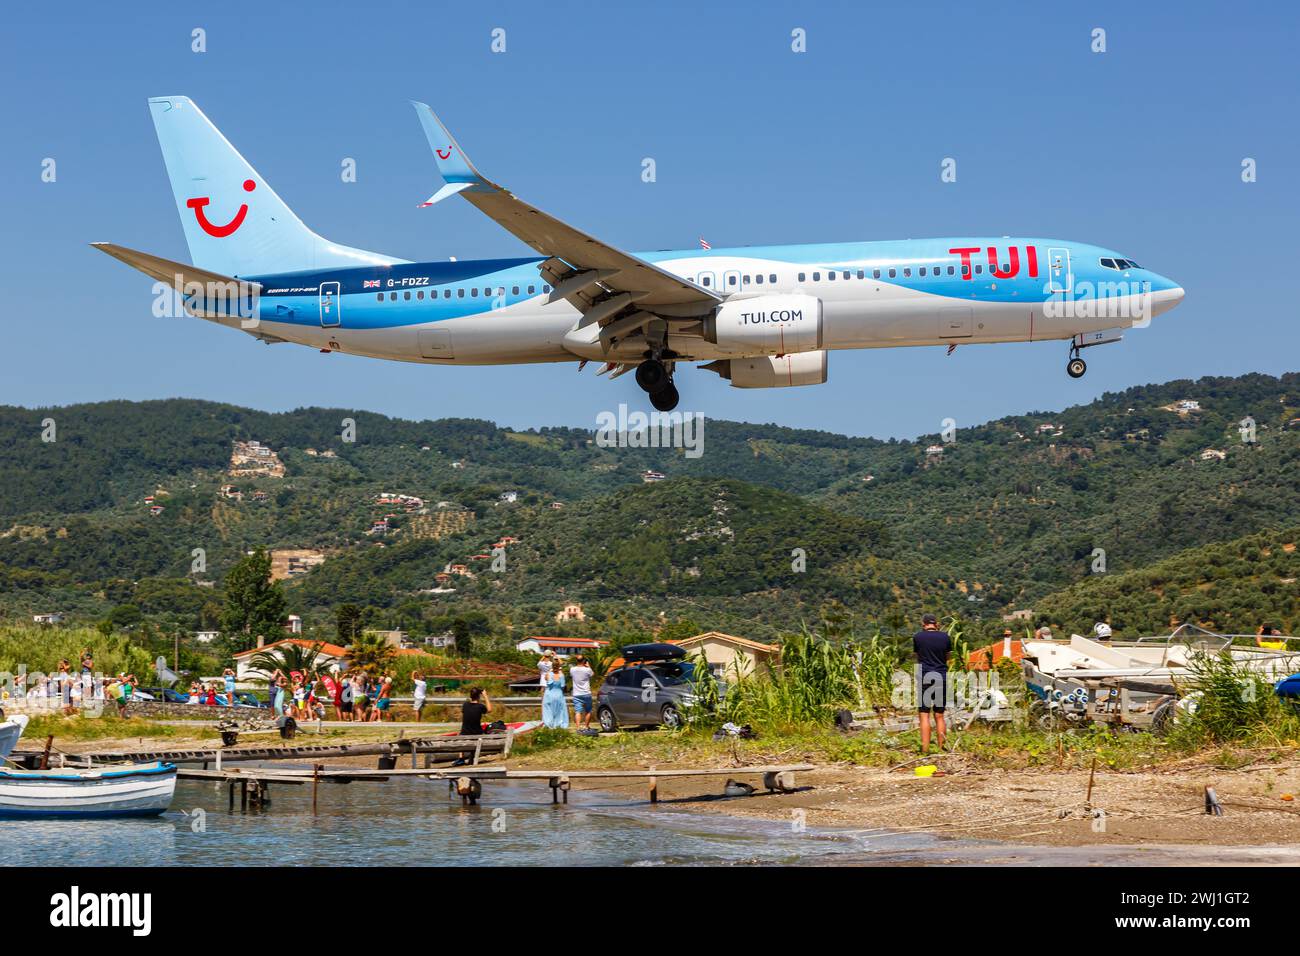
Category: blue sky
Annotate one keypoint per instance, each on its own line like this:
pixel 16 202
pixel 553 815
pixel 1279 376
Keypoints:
pixel 1138 149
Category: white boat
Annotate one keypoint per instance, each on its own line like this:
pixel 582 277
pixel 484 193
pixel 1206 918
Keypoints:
pixel 114 790
pixel 10 731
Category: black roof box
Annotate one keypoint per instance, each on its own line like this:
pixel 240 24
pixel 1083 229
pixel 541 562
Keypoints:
pixel 637 653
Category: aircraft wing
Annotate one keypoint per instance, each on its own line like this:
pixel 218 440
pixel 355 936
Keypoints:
pixel 600 281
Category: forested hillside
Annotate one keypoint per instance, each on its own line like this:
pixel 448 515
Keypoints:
pixel 769 525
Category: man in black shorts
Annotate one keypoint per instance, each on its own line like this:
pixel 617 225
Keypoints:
pixel 932 647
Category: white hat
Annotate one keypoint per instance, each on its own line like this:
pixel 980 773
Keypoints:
pixel 1101 629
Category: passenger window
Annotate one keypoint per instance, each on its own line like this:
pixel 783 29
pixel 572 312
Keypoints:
pixel 392 297
pixel 907 272
pixel 514 290
pixel 744 280
pixel 546 288
pixel 380 297
pixel 407 295
pixel 830 277
pixel 460 293
pixel 772 278
pixel 979 270
pixel 847 275
pixel 950 270
pixel 532 289
pixel 704 281
pixel 473 293
pixel 875 273
pixel 817 277
pixel 922 270
pixel 892 273
pixel 758 279
pixel 862 273
pixel 801 276
pixel 420 294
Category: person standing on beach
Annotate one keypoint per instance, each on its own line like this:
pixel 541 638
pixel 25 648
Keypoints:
pixel 421 692
pixel 65 687
pixel 383 694
pixel 581 673
pixel 346 697
pixel 555 710
pixel 932 647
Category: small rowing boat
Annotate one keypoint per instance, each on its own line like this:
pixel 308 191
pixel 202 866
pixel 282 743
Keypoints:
pixel 10 731
pixel 114 790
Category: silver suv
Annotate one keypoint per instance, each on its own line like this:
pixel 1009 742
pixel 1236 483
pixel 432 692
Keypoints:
pixel 653 687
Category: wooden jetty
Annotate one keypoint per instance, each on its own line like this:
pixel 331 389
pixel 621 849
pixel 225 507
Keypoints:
pixel 468 781
pixel 432 749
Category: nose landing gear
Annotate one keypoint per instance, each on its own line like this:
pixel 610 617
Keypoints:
pixel 656 379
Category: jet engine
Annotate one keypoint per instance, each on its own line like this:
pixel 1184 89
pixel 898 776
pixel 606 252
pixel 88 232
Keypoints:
pixel 773 371
pixel 766 325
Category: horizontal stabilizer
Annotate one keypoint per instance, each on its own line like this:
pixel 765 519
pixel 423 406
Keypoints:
pixel 175 274
pixel 207 295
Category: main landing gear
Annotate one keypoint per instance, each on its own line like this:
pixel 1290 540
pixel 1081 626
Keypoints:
pixel 1076 366
pixel 656 380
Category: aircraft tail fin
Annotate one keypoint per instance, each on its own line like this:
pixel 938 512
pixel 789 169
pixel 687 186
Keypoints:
pixel 234 222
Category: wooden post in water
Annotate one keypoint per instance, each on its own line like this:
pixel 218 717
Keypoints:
pixel 654 789
pixel 315 785
pixel 45 757
pixel 243 796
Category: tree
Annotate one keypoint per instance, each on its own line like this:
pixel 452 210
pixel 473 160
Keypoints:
pixel 288 658
pixel 254 603
pixel 347 623
pixel 125 615
pixel 370 653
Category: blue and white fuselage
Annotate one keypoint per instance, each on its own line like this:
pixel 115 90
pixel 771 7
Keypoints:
pixel 873 295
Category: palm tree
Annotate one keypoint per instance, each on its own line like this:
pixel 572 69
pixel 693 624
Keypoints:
pixel 288 657
pixel 370 653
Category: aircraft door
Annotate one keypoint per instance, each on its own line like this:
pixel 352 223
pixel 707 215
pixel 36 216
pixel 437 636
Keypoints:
pixel 330 304
pixel 1059 276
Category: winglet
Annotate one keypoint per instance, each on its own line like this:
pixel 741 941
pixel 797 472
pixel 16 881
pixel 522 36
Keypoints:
pixel 453 165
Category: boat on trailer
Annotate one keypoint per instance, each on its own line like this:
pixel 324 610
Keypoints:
pixel 10 731
pixel 113 790
pixel 1137 684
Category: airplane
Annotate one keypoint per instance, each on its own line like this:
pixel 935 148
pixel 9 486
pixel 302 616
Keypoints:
pixel 760 317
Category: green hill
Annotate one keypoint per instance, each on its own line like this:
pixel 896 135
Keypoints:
pixel 1007 514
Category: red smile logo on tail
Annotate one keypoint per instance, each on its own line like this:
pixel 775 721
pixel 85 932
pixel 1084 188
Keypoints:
pixel 220 232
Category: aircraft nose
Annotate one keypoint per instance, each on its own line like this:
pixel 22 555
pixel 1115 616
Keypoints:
pixel 1164 299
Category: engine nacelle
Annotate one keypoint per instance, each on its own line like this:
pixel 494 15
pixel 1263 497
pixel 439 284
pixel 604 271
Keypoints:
pixel 767 325
pixel 799 368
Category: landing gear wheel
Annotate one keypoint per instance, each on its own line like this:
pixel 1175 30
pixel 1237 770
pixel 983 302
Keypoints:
pixel 651 375
pixel 1076 367
pixel 665 400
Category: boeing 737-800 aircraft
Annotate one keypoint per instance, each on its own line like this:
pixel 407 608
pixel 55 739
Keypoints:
pixel 761 317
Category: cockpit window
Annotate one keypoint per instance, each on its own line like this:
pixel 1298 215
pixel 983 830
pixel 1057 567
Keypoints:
pixel 1108 263
pixel 1121 264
